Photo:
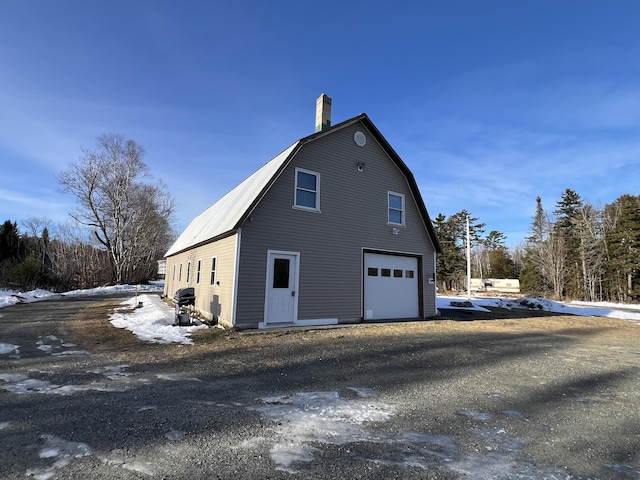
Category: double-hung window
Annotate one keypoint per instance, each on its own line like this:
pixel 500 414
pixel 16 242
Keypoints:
pixel 214 260
pixel 307 194
pixel 396 208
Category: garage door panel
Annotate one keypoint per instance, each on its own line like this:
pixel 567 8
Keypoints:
pixel 390 287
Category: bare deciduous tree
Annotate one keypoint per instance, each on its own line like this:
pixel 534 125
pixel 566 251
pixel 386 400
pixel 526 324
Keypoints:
pixel 130 219
pixel 76 263
pixel 592 250
pixel 547 250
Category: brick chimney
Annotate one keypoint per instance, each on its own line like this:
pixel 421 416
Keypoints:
pixel 323 112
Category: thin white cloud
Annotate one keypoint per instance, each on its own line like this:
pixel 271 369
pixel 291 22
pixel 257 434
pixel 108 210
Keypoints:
pixel 18 206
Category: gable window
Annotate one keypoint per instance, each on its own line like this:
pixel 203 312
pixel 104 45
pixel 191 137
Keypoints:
pixel 198 271
pixel 396 208
pixel 307 194
pixel 214 260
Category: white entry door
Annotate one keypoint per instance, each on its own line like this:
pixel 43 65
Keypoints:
pixel 391 288
pixel 281 302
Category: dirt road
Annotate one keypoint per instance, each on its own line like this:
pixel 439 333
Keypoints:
pixel 530 397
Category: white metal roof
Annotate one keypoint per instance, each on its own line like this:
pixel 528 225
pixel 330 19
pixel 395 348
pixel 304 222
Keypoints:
pixel 224 215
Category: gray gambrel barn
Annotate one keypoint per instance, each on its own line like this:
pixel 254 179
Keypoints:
pixel 332 230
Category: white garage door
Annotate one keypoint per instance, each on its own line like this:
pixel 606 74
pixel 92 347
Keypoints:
pixel 390 287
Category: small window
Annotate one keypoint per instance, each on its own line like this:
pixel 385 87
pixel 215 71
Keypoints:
pixel 372 272
pixel 198 271
pixel 180 273
pixel 385 272
pixel 174 273
pixel 397 274
pixel 408 274
pixel 396 208
pixel 307 194
pixel 281 273
pixel 188 271
pixel 214 261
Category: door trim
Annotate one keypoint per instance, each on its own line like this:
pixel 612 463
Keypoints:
pixel 420 275
pixel 267 286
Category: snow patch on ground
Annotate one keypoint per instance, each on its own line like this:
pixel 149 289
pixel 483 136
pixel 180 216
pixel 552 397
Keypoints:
pixel 6 348
pixel 55 346
pixel 61 451
pixel 303 422
pixel 23 385
pixel 318 417
pixel 12 297
pixel 153 322
pixel 586 309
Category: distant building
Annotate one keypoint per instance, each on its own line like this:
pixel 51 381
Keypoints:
pixel 502 285
pixel 162 269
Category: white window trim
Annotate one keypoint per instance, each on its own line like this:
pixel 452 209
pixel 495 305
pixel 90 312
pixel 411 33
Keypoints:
pixel 317 192
pixel 214 271
pixel 188 271
pixel 180 273
pixel 403 211
pixel 198 271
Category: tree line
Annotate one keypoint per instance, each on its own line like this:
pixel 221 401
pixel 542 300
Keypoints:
pixel 122 224
pixel 578 251
pixel 120 227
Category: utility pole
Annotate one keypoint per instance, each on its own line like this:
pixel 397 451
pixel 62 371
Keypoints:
pixel 468 260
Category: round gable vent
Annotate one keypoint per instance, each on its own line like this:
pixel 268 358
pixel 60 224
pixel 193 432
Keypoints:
pixel 360 139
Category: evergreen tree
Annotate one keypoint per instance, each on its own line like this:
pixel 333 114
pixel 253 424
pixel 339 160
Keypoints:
pixel 9 241
pixel 531 282
pixel 531 278
pixel 451 263
pixel 623 242
pixel 28 274
pixel 568 212
pixel 494 240
pixel 492 259
pixel 501 264
pixel 10 250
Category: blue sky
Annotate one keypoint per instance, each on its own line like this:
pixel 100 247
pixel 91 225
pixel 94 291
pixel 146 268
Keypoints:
pixel 490 103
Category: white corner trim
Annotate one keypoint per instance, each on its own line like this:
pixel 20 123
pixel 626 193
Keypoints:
pixel 234 293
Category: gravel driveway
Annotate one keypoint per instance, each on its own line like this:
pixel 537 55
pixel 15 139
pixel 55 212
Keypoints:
pixel 546 397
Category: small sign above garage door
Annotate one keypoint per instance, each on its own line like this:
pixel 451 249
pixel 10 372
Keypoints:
pixel 391 288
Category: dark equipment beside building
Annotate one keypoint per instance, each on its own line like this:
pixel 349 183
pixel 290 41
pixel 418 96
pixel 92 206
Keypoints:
pixel 184 298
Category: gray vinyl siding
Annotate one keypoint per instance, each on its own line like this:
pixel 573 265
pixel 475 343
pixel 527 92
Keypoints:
pixel 212 300
pixel 353 217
